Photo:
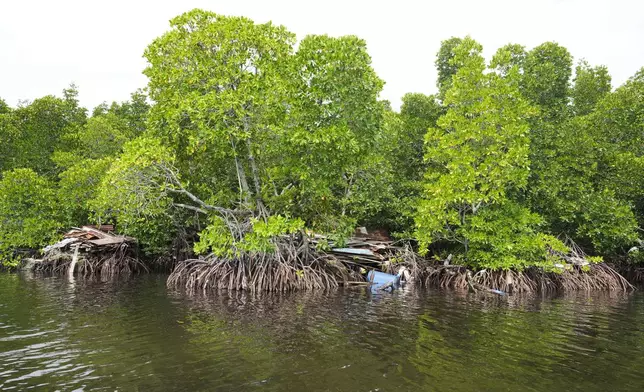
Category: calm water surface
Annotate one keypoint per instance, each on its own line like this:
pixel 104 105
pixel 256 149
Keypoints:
pixel 135 335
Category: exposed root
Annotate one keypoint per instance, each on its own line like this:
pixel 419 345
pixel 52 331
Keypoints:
pixel 597 277
pixel 104 264
pixel 633 274
pixel 293 266
pixel 575 274
pixel 297 266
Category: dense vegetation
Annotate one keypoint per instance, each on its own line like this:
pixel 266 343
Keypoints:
pixel 245 135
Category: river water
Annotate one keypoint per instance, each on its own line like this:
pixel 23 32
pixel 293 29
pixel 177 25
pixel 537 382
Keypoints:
pixel 135 335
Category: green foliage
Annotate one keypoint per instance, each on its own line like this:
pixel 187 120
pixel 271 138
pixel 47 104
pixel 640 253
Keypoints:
pixel 8 134
pixel 218 83
pixel 635 255
pixel 333 126
pixel 401 146
pixel 102 136
pixel 216 238
pixel 618 121
pixel 508 236
pixel 4 108
pixel 477 158
pixel 28 212
pixel 480 147
pixel 588 172
pixel 132 194
pixel 547 70
pixel 618 118
pixel 253 124
pixel 78 187
pixel 33 132
pixel 508 57
pixel 591 84
pixel 445 65
pixel 264 231
pixel 134 112
pixel 418 113
pixel 209 74
pixel 244 123
pixel 607 222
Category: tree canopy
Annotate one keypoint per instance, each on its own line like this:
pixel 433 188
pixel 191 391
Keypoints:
pixel 244 133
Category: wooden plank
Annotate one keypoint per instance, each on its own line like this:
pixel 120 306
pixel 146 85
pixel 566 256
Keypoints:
pixel 108 241
pixel 353 251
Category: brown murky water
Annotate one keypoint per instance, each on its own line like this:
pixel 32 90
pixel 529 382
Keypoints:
pixel 135 335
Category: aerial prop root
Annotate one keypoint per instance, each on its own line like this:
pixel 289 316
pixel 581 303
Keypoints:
pixel 290 267
pixel 104 263
pixel 295 265
pixel 594 277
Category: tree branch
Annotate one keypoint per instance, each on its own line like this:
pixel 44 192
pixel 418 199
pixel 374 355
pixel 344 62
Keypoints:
pixel 192 208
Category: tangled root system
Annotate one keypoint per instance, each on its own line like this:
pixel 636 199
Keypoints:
pixel 296 266
pixel 104 264
pixel 595 277
pixel 292 266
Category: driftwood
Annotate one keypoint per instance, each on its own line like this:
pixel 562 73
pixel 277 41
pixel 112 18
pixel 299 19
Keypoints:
pixel 365 251
pixel 88 251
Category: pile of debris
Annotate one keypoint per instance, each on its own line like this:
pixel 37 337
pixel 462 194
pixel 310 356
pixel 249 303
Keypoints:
pixel 88 238
pixel 372 251
pixel 299 262
pixel 375 256
pixel 89 250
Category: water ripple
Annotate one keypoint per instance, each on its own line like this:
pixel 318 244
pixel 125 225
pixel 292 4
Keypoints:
pixel 132 334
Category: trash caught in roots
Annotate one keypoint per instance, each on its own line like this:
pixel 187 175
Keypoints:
pixel 293 266
pixel 299 264
pixel 89 252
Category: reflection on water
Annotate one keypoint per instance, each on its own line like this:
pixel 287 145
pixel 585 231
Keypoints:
pixel 134 334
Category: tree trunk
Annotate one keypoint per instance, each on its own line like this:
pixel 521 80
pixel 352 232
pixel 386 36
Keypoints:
pixel 256 181
pixel 466 241
pixel 241 175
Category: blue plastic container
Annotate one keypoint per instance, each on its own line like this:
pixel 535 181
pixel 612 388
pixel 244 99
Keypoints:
pixel 380 278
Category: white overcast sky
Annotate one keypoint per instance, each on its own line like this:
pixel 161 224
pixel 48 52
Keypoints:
pixel 46 45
